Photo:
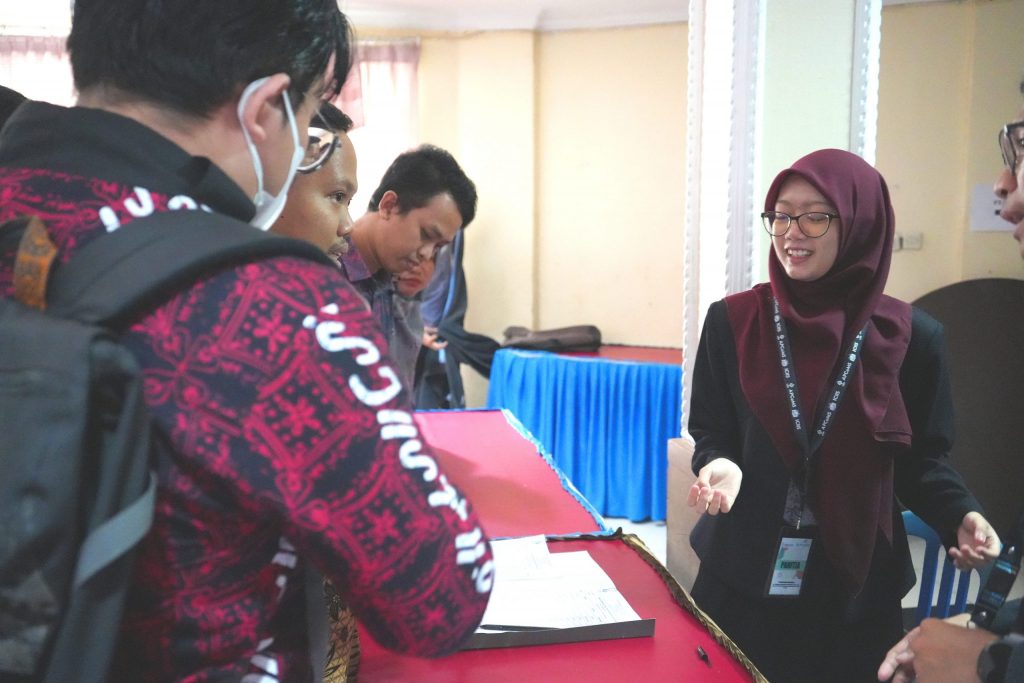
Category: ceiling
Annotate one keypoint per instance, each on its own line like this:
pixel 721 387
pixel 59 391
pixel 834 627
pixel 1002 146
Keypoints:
pixel 543 15
pixel 51 17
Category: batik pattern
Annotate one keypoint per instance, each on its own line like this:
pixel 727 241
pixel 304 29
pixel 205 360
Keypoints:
pixel 290 436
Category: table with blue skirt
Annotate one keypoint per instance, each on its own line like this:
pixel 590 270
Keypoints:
pixel 604 417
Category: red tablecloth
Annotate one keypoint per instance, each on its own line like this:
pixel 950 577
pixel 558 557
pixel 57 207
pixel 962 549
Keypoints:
pixel 518 493
pixel 669 656
pixel 640 354
pixel 513 487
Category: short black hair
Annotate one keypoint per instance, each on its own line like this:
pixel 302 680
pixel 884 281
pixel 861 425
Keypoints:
pixel 334 118
pixel 195 55
pixel 419 175
pixel 9 101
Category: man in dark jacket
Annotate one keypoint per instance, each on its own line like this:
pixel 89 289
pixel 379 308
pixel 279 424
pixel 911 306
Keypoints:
pixel 449 344
pixel 290 432
pixel 10 100
pixel 944 651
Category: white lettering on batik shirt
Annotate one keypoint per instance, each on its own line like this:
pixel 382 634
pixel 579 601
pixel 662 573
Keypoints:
pixel 264 660
pixel 398 425
pixel 139 204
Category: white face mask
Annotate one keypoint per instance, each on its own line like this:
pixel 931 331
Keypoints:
pixel 269 206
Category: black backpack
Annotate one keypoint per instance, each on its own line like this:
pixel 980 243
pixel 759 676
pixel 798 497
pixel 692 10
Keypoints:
pixel 76 446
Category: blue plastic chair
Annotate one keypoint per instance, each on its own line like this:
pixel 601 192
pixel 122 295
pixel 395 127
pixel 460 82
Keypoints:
pixel 934 555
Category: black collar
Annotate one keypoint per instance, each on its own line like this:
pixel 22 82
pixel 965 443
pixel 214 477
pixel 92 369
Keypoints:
pixel 94 143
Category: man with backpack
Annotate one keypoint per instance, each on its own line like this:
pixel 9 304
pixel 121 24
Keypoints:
pixel 282 433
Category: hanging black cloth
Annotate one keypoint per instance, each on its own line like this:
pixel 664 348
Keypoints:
pixel 438 382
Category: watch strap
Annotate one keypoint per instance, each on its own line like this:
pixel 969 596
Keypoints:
pixel 995 658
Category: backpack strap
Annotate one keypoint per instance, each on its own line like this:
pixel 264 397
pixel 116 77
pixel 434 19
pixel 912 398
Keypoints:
pixel 134 269
pixel 116 536
pixel 149 260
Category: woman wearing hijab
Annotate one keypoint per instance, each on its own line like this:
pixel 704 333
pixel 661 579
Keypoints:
pixel 817 402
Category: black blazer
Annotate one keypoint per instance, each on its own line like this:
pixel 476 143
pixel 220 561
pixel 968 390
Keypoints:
pixel 740 546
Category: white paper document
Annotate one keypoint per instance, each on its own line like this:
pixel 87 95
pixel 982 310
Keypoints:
pixel 535 588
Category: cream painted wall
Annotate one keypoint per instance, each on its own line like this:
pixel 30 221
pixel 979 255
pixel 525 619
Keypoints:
pixel 808 59
pixel 611 163
pixel 922 129
pixel 949 78
pixel 579 159
pixel 439 91
pixel 496 113
pixel 488 123
pixel 806 106
pixel 994 99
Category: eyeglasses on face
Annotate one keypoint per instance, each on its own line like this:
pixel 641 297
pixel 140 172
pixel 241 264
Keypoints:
pixel 1011 144
pixel 320 145
pixel 811 224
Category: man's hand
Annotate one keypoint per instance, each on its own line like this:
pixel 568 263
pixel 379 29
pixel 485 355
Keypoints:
pixel 430 339
pixel 717 485
pixel 936 652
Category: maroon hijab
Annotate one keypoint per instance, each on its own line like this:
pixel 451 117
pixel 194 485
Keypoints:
pixel 851 490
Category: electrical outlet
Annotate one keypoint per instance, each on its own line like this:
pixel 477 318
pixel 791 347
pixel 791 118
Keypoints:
pixel 912 241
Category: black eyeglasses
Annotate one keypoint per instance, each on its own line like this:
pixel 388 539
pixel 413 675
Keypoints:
pixel 811 224
pixel 320 145
pixel 1011 144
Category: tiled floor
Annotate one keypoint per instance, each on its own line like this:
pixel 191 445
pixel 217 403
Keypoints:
pixel 651 533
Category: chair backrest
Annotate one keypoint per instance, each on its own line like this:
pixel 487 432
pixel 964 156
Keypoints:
pixel 935 556
pixel 986 370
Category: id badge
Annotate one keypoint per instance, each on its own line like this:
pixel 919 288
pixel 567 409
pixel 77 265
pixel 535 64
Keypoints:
pixel 790 566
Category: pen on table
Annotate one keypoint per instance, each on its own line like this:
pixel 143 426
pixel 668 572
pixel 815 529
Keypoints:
pixel 504 627
pixel 703 655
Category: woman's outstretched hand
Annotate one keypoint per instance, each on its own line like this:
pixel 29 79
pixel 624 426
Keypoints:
pixel 977 543
pixel 717 485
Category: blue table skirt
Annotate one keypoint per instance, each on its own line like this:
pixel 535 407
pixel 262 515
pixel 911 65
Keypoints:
pixel 606 423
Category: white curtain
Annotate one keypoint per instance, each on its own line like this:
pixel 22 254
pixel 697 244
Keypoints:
pixel 37 67
pixel 380 96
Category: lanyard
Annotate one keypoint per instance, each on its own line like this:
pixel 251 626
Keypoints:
pixel 810 445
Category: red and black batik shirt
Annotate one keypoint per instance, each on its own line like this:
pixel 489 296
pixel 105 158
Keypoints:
pixel 292 436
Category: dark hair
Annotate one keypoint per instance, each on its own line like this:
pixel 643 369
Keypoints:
pixel 419 175
pixel 334 118
pixel 195 55
pixel 9 101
